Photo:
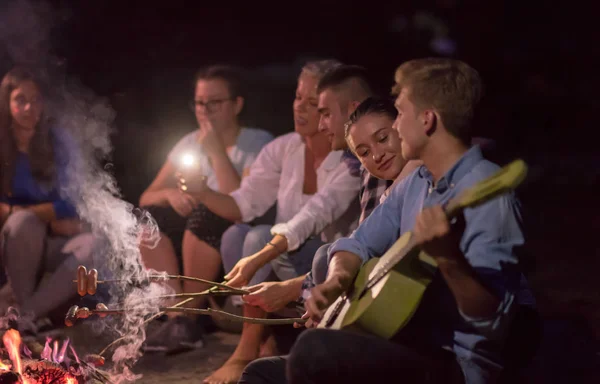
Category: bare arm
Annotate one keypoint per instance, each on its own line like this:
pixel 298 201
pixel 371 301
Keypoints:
pixel 156 193
pixel 343 267
pixel 220 204
pixel 226 174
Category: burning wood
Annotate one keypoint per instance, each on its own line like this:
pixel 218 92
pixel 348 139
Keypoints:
pixel 53 366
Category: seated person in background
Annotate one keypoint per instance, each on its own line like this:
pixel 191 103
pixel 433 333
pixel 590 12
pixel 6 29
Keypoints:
pixel 220 152
pixel 41 233
pixel 370 135
pixel 316 193
pixel 339 91
pixel 458 333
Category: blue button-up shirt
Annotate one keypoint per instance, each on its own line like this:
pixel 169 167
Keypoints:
pixel 489 243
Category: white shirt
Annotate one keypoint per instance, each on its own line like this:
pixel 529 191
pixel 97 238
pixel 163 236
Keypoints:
pixel 277 175
pixel 248 144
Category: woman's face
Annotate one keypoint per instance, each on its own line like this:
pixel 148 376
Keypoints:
pixel 26 106
pixel 377 145
pixel 306 113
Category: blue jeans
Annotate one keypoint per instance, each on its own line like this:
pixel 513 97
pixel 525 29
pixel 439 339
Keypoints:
pixel 242 240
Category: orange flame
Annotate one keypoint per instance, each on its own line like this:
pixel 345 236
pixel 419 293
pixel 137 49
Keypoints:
pixel 12 342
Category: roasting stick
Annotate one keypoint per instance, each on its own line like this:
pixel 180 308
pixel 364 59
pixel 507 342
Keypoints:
pixel 83 313
pixel 87 282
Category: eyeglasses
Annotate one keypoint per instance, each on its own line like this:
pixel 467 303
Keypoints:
pixel 209 106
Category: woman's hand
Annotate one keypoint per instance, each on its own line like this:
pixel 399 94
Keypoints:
pixel 181 202
pixel 244 271
pixel 66 227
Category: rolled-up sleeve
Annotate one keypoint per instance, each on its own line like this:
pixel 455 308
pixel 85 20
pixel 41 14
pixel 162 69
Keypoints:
pixel 490 244
pixel 258 190
pixel 376 234
pixel 322 209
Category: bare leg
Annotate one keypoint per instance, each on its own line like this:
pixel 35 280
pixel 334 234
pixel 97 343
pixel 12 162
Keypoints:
pixel 199 260
pixel 252 334
pixel 58 288
pixel 162 258
pixel 246 351
pixel 23 240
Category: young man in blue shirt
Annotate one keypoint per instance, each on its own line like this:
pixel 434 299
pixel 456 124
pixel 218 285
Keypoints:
pixel 459 331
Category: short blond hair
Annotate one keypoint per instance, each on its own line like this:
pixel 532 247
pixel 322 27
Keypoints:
pixel 451 87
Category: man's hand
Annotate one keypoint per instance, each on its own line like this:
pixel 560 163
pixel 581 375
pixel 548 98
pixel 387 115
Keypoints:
pixel 243 271
pixel 436 237
pixel 271 296
pixel 210 140
pixel 182 203
pixel 321 297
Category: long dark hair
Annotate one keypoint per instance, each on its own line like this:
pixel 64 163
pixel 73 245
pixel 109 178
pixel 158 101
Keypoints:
pixel 41 152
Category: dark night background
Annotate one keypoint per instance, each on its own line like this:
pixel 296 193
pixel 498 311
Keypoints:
pixel 539 63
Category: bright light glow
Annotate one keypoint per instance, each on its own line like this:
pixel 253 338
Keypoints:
pixel 188 160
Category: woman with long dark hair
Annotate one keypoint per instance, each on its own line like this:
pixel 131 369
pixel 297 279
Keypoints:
pixel 42 241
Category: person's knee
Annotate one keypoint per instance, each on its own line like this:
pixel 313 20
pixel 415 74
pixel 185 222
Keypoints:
pixel 81 247
pixel 256 239
pixel 234 234
pixel 320 265
pixel 23 223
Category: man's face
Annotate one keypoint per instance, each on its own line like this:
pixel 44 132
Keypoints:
pixel 410 127
pixel 333 118
pixel 377 145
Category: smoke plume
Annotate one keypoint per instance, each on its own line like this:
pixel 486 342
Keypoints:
pixel 25 30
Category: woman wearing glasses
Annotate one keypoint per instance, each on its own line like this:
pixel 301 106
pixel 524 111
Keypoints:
pixel 219 153
pixel 41 233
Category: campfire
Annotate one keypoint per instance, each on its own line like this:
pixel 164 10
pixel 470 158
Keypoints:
pixel 57 364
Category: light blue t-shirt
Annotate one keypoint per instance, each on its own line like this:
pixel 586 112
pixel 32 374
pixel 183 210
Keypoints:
pixel 249 143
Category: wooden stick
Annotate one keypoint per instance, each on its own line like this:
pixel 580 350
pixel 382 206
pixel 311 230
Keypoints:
pixel 180 277
pixel 208 292
pixel 198 311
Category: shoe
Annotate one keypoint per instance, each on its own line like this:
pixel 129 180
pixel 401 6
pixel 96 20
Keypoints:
pixel 177 335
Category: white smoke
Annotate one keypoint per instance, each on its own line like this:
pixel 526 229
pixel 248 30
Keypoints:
pixel 24 34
